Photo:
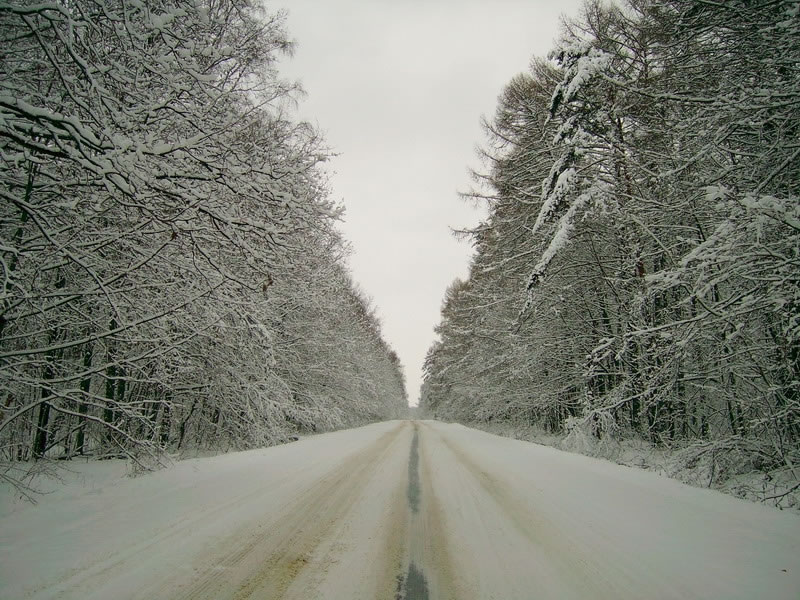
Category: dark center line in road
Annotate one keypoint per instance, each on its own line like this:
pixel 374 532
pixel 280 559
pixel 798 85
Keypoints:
pixel 413 585
pixel 413 474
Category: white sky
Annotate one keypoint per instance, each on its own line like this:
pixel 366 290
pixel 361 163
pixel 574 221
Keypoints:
pixel 398 88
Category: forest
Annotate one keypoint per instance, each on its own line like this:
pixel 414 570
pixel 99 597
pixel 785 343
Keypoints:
pixel 638 273
pixel 173 276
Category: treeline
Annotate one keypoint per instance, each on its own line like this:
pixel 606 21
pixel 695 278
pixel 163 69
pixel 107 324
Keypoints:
pixel 638 274
pixel 171 273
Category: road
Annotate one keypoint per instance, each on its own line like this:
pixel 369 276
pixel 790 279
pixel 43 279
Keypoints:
pixel 400 510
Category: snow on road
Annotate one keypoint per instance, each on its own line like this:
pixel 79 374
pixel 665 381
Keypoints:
pixel 414 510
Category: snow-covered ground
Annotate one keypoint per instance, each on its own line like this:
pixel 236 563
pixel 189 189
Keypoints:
pixel 695 464
pixel 394 510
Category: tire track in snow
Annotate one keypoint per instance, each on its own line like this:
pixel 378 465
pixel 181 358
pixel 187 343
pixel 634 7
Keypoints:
pixel 263 560
pixel 562 553
pixel 96 572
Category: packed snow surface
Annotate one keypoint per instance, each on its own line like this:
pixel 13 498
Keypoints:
pixel 403 509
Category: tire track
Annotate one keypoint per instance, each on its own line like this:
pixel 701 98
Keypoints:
pixel 99 570
pixel 564 554
pixel 264 563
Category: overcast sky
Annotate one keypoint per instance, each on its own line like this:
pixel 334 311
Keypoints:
pixel 398 88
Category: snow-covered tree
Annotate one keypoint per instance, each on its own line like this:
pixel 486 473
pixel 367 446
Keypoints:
pixel 157 200
pixel 642 231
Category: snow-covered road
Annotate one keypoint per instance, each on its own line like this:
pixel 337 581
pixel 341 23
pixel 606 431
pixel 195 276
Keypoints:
pixel 398 510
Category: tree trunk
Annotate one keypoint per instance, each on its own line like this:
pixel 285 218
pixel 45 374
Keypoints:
pixel 86 383
pixel 40 440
